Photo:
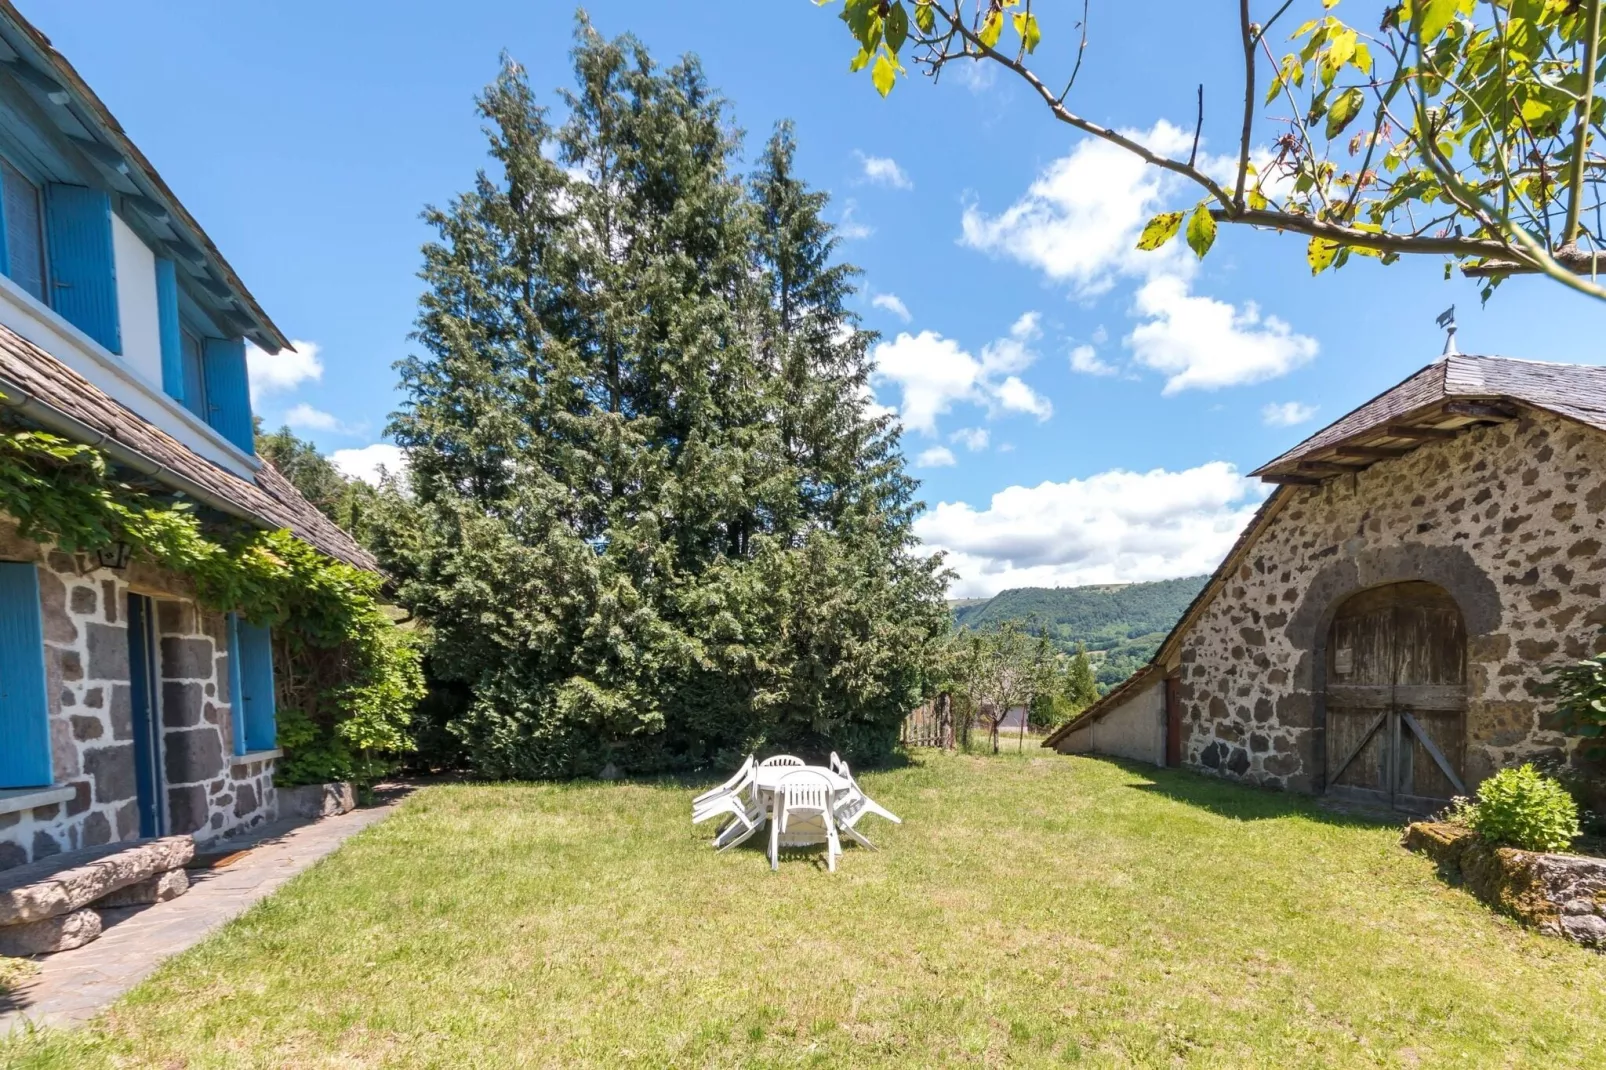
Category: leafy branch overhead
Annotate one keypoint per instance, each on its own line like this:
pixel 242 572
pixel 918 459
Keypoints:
pixel 1464 129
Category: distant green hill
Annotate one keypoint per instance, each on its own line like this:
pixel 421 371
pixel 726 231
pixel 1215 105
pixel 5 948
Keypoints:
pixel 1122 624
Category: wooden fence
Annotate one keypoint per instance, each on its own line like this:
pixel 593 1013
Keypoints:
pixel 923 728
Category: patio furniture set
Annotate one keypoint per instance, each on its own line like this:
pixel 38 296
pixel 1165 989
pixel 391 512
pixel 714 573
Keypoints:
pixel 801 804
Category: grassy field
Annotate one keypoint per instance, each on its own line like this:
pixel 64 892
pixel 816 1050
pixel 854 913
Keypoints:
pixel 1032 911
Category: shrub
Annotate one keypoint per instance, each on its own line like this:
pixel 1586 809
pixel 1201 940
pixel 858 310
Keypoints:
pixel 1524 808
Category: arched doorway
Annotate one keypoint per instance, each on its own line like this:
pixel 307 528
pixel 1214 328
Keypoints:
pixel 1397 697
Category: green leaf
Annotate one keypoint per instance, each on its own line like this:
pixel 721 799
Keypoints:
pixel 1319 254
pixel 1328 5
pixel 1257 200
pixel 860 62
pixel 1159 230
pixel 926 16
pixel 1343 111
pixel 991 28
pixel 1026 26
pixel 897 30
pixel 1201 230
pixel 884 74
pixel 1433 16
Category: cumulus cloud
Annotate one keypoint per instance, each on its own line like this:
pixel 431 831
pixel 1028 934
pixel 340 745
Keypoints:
pixel 367 462
pixel 933 374
pixel 893 304
pixel 1085 359
pixel 1202 343
pixel 972 438
pixel 272 373
pixel 884 171
pixel 936 457
pixel 304 417
pixel 1287 413
pixel 1113 527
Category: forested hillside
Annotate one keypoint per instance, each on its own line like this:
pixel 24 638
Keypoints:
pixel 1120 624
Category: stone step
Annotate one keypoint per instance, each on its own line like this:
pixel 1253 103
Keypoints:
pixel 60 933
pixel 65 883
pixel 157 889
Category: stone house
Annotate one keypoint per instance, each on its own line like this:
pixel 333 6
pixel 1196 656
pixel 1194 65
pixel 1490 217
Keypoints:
pixel 1382 627
pixel 126 709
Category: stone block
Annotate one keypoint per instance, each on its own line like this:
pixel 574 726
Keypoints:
pixel 60 933
pixel 1439 840
pixel 97 830
pixel 83 794
pixel 181 704
pixel 108 596
pixel 86 728
pixel 112 770
pixel 245 801
pixel 174 617
pixel 121 711
pixel 158 889
pixel 72 665
pixel 186 659
pixel 186 808
pixel 192 755
pixel 317 800
pixel 12 855
pixel 128 820
pixel 108 652
pixel 44 845
pixel 84 602
pixel 58 626
pixel 55 886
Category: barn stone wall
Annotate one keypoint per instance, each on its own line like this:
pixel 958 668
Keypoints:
pixel 1510 519
pixel 91 711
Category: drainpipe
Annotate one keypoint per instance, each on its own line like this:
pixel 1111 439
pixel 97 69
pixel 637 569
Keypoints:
pixel 14 396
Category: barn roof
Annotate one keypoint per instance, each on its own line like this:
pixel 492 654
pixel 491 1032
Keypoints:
pixel 1453 393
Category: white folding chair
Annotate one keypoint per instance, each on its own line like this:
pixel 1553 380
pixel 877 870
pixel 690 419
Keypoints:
pixel 854 804
pixel 747 817
pixel 733 784
pixel 710 803
pixel 804 794
pixel 838 765
pixel 781 759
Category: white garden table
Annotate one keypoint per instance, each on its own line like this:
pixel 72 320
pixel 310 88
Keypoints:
pixel 767 782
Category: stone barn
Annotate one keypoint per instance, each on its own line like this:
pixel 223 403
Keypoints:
pixel 1382 627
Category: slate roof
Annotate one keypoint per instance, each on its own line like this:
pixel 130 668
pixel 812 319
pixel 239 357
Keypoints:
pixel 1423 400
pixel 269 500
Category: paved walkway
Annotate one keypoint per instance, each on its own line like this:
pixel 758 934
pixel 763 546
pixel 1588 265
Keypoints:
pixel 73 986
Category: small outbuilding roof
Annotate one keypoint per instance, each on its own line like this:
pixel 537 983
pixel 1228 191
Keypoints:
pixel 1453 393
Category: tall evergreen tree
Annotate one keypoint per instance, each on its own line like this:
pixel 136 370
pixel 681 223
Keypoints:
pixel 650 521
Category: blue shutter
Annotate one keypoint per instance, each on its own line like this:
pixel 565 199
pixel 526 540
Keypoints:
pixel 256 686
pixel 228 391
pixel 236 705
pixel 167 323
pixel 83 268
pixel 24 711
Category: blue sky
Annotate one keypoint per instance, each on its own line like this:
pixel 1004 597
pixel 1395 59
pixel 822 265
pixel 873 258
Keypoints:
pixel 1098 406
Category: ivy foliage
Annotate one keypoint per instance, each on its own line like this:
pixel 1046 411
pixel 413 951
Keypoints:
pixel 353 677
pixel 652 521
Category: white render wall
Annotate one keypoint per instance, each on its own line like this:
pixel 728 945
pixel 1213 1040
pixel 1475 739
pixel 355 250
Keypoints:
pixel 136 303
pixel 1133 729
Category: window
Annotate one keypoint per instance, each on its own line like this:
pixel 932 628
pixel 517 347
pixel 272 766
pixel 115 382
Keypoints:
pixel 194 354
pixel 24 713
pixel 25 244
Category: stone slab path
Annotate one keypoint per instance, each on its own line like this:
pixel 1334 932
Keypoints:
pixel 73 986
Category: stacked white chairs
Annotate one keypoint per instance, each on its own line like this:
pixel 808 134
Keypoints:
pixel 781 759
pixel 806 795
pixel 743 776
pixel 853 804
pixel 746 814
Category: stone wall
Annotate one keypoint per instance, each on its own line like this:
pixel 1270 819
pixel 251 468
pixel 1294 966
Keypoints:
pixel 91 711
pixel 1509 519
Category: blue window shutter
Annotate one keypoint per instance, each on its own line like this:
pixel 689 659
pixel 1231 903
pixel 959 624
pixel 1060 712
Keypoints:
pixel 256 686
pixel 228 391
pixel 83 268
pixel 236 704
pixel 167 324
pixel 24 713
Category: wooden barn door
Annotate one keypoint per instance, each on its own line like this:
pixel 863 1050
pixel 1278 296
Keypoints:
pixel 1396 697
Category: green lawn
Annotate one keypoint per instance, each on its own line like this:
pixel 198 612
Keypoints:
pixel 1031 911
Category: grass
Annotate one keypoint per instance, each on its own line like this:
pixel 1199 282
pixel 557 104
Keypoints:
pixel 1042 910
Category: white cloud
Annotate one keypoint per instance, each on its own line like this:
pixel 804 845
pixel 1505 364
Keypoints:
pixel 884 171
pixel 304 417
pixel 285 370
pixel 934 373
pixel 972 438
pixel 1287 413
pixel 366 462
pixel 851 229
pixel 1113 527
pixel 936 457
pixel 1085 359
pixel 977 76
pixel 1205 344
pixel 893 304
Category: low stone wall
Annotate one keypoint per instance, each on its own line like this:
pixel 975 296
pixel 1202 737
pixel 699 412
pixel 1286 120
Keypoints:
pixel 314 801
pixel 59 903
pixel 1563 895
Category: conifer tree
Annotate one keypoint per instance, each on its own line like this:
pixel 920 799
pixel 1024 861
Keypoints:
pixel 651 521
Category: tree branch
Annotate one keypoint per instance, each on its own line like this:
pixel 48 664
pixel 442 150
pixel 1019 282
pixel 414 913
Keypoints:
pixel 1249 102
pixel 1575 187
pixel 1198 128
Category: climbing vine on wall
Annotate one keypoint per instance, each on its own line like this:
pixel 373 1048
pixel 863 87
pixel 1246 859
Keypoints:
pixel 348 678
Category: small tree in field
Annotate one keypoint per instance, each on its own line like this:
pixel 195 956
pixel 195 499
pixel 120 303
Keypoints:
pixel 1456 128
